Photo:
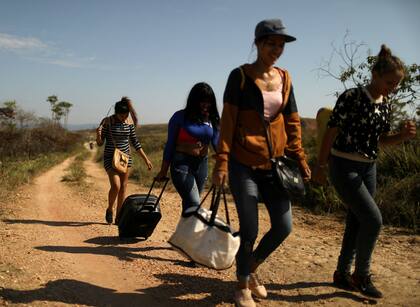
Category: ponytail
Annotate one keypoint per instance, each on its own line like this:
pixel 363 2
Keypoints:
pixel 133 113
pixel 386 62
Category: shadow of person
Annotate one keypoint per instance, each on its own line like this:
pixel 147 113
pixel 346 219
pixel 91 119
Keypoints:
pixel 201 290
pixel 53 223
pixel 302 298
pixel 120 251
pixel 113 240
pixel 171 291
pixel 74 292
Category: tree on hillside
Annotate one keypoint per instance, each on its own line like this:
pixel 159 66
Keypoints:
pixel 52 100
pixel 65 107
pixel 58 113
pixel 25 118
pixel 7 114
pixel 59 109
pixel 354 71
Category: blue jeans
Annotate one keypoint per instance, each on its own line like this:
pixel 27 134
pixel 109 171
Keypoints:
pixel 245 183
pixel 355 183
pixel 189 175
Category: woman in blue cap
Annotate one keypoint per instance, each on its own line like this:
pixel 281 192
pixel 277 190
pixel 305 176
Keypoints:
pixel 259 96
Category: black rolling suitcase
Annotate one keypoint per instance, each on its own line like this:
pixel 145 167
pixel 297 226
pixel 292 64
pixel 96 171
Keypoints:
pixel 140 214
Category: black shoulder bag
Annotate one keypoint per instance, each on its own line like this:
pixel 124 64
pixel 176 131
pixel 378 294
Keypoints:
pixel 285 171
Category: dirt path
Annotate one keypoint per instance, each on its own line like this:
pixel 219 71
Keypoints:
pixel 56 250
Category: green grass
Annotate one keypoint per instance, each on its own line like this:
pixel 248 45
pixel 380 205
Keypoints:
pixel 32 151
pixel 75 173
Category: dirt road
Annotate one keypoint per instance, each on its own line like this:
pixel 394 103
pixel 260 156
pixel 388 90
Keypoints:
pixel 57 250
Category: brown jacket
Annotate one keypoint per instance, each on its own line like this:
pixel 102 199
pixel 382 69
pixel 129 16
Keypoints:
pixel 242 133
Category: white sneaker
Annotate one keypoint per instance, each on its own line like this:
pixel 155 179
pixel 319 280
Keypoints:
pixel 256 287
pixel 243 298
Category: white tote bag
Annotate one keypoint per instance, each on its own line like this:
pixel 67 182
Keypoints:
pixel 204 238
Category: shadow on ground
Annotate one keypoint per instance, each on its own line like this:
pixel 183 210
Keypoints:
pixel 172 291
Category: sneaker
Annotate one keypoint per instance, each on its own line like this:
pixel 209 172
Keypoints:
pixel 243 298
pixel 108 216
pixel 343 280
pixel 365 285
pixel 256 287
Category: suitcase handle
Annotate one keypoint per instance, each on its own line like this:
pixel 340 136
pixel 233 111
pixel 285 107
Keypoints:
pixel 166 180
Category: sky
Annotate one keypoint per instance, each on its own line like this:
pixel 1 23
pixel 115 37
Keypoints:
pixel 92 52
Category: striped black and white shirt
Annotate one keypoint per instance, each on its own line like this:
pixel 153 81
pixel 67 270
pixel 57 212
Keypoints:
pixel 123 134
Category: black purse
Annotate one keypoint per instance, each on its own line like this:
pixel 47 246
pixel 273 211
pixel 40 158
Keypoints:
pixel 286 172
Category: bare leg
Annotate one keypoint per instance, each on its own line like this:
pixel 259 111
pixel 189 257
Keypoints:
pixel 122 191
pixel 114 180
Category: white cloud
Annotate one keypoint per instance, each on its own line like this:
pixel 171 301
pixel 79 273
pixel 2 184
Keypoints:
pixel 33 49
pixel 10 42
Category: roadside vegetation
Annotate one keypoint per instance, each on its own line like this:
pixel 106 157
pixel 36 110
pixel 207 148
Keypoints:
pixel 75 173
pixel 30 145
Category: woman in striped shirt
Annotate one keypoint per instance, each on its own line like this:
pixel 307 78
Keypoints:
pixel 117 131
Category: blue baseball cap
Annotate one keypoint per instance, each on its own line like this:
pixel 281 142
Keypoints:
pixel 272 27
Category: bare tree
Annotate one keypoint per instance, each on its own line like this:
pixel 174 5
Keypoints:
pixel 24 118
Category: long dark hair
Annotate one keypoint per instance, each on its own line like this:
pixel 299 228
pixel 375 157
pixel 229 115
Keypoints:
pixel 202 92
pixel 121 107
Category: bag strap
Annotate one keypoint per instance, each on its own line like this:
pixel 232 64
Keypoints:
pixel 267 139
pixel 110 131
pixel 161 191
pixel 241 86
pixel 215 201
pixel 109 119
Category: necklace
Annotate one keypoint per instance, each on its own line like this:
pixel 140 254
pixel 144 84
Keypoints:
pixel 271 83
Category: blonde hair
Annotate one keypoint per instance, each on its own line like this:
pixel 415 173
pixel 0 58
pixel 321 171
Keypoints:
pixel 386 62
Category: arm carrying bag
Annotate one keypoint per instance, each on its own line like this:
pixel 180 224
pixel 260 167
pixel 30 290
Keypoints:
pixel 286 172
pixel 204 238
pixel 120 159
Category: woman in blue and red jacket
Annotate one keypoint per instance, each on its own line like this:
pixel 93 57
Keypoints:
pixel 190 132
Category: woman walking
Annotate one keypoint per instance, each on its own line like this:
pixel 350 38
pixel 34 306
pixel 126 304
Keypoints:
pixel 117 131
pixel 190 132
pixel 360 121
pixel 259 96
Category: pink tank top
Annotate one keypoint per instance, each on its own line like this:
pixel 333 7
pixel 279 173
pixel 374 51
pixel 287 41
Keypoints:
pixel 272 102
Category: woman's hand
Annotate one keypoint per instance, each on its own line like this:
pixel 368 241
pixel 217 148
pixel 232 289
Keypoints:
pixel 219 178
pixel 148 163
pixel 162 175
pixel 304 170
pixel 99 140
pixel 320 174
pixel 408 130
